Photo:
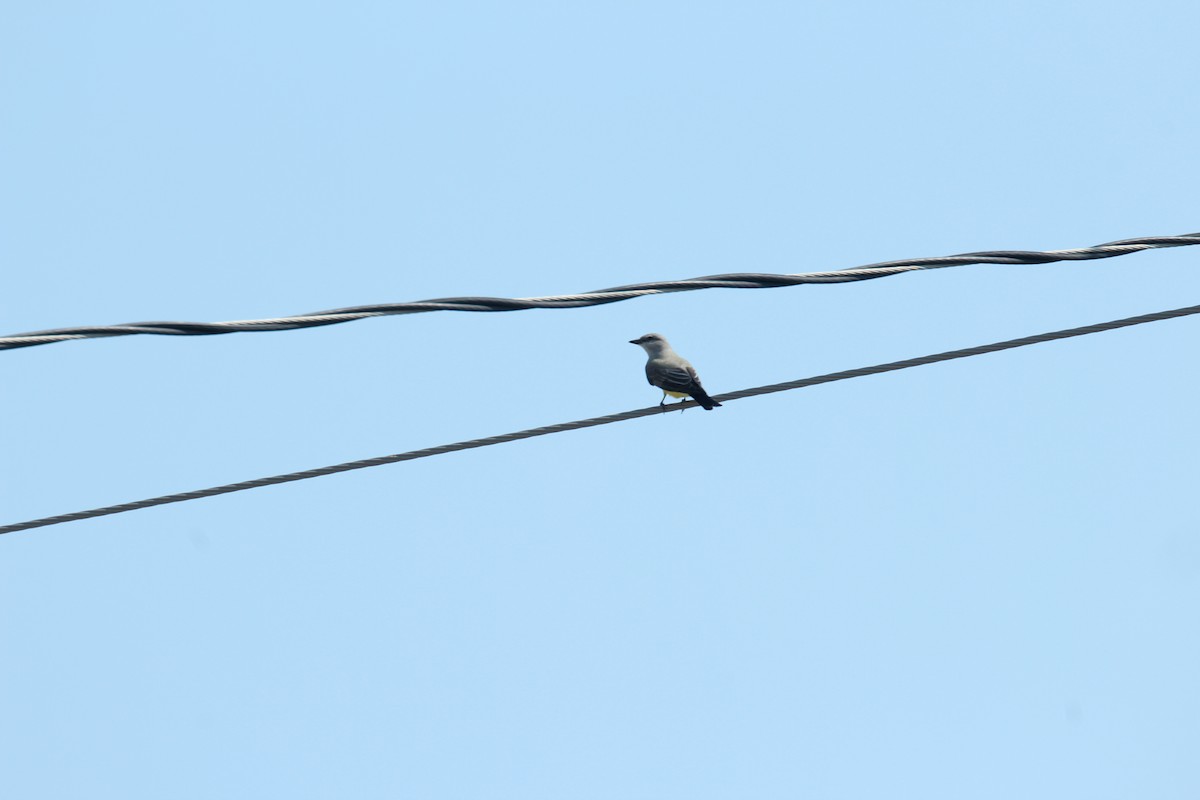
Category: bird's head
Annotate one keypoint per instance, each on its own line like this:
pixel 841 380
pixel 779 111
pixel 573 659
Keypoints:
pixel 653 343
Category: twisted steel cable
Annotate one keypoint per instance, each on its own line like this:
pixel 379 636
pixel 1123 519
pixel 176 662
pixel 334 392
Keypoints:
pixel 735 280
pixel 594 421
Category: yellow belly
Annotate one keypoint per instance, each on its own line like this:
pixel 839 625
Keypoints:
pixel 675 394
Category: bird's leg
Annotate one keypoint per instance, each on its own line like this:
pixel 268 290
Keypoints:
pixel 681 402
pixel 662 404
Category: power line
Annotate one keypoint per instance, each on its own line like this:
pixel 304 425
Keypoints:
pixel 736 280
pixel 594 421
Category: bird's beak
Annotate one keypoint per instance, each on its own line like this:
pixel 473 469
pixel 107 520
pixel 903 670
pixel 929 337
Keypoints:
pixel 634 341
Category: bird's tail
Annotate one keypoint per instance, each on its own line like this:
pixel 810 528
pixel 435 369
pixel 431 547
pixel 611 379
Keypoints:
pixel 701 397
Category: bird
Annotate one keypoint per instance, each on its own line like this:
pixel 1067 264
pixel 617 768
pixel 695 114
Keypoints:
pixel 671 372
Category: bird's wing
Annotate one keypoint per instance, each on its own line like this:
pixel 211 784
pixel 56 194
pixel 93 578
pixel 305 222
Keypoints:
pixel 672 379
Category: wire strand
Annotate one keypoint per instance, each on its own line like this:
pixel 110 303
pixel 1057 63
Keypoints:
pixel 562 427
pixel 737 280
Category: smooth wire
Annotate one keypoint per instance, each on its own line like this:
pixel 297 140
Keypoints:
pixel 594 421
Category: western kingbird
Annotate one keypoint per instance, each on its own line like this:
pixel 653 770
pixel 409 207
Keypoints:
pixel 671 372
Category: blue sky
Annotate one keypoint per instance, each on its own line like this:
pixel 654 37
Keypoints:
pixel 972 579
